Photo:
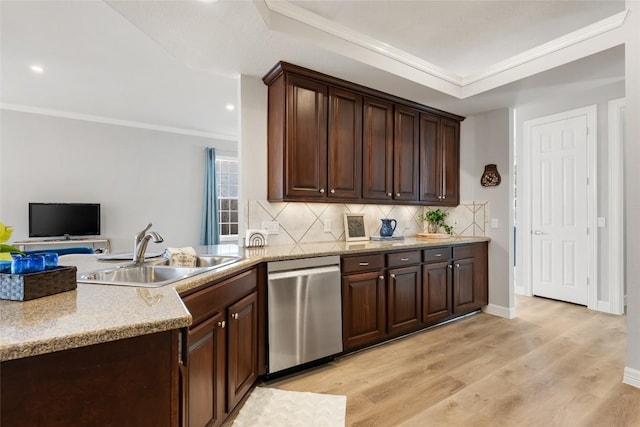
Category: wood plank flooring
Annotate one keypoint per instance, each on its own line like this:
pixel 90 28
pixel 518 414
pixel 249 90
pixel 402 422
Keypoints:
pixel 557 364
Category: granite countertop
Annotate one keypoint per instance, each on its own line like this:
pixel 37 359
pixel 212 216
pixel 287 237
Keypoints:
pixel 92 314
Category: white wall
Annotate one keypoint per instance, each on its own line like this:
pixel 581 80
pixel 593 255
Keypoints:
pixel 485 139
pixel 137 175
pixel 632 191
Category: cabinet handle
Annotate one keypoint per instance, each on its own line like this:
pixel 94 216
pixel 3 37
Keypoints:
pixel 333 191
pixel 322 190
pixel 393 276
pixel 437 255
pixel 381 277
pixel 235 316
pixel 404 259
pixel 222 324
pixel 363 264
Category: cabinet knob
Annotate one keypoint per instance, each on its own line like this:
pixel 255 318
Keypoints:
pixel 444 197
pixel 322 190
pixel 235 316
pixel 457 265
pixel 439 197
pixel 393 276
pixel 389 194
pixel 333 191
pixel 381 277
pixel 397 194
pixel 450 266
pixel 222 324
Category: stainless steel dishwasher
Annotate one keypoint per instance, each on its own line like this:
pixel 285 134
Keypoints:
pixel 304 306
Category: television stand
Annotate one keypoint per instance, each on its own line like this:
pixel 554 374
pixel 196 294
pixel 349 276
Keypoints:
pixel 96 243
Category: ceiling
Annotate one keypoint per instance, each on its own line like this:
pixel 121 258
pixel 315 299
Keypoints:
pixel 175 64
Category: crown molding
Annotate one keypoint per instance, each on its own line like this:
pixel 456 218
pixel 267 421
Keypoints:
pixel 573 38
pixel 407 65
pixel 111 121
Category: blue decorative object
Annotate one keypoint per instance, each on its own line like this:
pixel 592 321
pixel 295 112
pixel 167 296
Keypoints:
pixel 27 264
pixel 387 229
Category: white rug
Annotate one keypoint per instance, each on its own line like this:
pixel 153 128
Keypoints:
pixel 268 407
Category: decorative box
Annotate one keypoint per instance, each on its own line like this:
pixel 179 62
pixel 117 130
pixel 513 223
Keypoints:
pixel 24 287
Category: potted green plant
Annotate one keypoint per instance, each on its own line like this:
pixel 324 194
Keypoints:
pixel 435 218
pixel 6 250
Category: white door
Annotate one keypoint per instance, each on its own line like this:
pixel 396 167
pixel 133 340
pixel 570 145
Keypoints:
pixel 559 240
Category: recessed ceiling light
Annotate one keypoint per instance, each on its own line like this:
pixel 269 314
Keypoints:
pixel 231 107
pixel 37 69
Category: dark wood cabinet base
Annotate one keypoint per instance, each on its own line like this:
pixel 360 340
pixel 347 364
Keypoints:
pixel 129 382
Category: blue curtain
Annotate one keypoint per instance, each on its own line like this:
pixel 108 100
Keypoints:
pixel 209 234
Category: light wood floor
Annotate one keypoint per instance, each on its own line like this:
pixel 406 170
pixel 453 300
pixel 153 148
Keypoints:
pixel 557 364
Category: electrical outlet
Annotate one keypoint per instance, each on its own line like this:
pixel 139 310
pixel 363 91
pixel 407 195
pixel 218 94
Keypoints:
pixel 494 223
pixel 271 227
pixel 327 226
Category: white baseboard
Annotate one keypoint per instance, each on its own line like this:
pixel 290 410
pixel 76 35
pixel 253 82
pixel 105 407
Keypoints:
pixel 631 377
pixel 500 311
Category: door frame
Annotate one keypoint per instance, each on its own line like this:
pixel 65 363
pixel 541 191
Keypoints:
pixel 525 285
pixel 616 302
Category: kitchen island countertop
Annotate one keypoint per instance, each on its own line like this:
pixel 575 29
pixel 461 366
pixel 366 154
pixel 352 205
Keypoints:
pixel 92 314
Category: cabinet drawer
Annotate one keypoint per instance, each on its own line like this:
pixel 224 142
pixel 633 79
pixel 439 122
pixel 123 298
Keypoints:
pixel 205 303
pixel 466 251
pixel 362 263
pixel 398 259
pixel 437 254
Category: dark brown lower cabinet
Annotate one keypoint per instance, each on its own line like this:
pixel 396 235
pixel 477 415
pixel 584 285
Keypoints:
pixel 403 300
pixel 470 277
pixel 128 382
pixel 221 361
pixel 363 309
pixel 243 348
pixel 436 291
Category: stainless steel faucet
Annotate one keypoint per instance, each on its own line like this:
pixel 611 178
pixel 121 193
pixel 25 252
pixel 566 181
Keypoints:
pixel 141 240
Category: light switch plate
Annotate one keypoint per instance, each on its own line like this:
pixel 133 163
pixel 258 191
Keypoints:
pixel 327 226
pixel 271 227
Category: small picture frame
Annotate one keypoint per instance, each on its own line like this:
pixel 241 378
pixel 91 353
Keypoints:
pixel 354 227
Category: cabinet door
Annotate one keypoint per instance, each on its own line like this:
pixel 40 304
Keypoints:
pixel 450 142
pixel 431 166
pixel 377 150
pixel 306 139
pixel 464 297
pixel 470 277
pixel 363 309
pixel 436 291
pixel 404 291
pixel 344 171
pixel 243 348
pixel 204 382
pixel 406 143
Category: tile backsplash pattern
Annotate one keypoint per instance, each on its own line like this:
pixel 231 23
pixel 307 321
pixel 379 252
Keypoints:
pixel 305 222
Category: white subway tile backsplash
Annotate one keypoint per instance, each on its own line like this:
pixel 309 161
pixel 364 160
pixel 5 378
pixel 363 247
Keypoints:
pixel 304 222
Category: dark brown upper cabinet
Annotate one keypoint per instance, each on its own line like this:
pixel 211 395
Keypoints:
pixel 439 160
pixel 377 150
pixel 333 140
pixel 405 154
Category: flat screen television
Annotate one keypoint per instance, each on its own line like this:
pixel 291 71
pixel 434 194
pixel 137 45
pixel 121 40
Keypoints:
pixel 64 219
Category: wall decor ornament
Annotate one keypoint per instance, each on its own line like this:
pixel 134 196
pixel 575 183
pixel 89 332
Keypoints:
pixel 355 227
pixel 490 177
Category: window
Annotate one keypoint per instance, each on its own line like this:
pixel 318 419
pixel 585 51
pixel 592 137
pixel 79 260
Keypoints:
pixel 227 181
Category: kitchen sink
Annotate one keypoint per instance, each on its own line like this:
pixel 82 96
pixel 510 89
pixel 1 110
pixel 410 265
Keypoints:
pixel 154 273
